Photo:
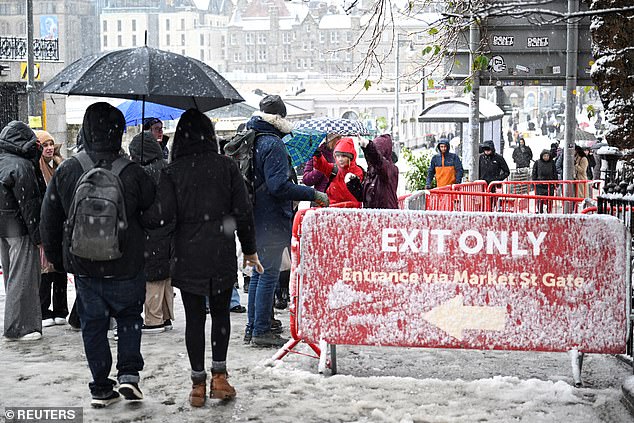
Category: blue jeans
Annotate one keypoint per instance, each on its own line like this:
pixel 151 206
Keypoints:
pixel 235 298
pixel 262 289
pixel 98 300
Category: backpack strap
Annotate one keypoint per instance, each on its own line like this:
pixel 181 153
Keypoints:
pixel 85 161
pixel 119 164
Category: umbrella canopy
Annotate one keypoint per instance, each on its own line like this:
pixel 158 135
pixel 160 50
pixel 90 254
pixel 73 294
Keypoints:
pixel 149 74
pixel 134 113
pixel 340 126
pixel 302 144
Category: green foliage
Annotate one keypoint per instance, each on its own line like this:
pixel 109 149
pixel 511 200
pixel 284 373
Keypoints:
pixel 381 123
pixel 419 162
pixel 367 84
pixel 591 111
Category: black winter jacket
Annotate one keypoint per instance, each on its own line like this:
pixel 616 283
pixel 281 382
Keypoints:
pixel 205 193
pixel 102 130
pixel 493 167
pixel 22 185
pixel 544 171
pixel 158 248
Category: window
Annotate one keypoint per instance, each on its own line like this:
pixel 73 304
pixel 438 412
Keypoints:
pixel 133 24
pixel 105 26
pixel 202 55
pixel 304 46
pixel 298 64
pixel 202 39
pixel 349 36
pixel 262 54
pixel 236 57
pixel 286 54
pixel 248 38
pixel 167 39
pixel 250 54
pixel 322 37
pixel 119 41
pixel 334 37
pixel 105 41
pixel 232 39
pixel 133 40
pixel 118 25
pixel 183 24
pixel 167 24
pixel 182 39
pixel 261 38
pixel 286 38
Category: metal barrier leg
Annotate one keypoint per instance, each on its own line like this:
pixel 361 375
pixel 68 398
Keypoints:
pixel 576 359
pixel 333 359
pixel 290 344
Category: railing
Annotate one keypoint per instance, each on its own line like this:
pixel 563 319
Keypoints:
pixel 12 48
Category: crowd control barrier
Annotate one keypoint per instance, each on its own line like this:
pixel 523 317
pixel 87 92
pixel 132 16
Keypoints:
pixel 458 280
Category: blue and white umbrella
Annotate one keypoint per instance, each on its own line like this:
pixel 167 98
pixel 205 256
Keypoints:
pixel 328 125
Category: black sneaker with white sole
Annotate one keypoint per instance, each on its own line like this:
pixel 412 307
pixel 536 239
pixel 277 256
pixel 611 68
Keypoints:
pixel 109 399
pixel 131 391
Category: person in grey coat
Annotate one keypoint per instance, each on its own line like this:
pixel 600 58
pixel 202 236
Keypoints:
pixel 22 188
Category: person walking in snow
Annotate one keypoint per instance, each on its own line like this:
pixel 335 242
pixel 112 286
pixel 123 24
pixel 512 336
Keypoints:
pixel 446 167
pixel 21 189
pixel 492 166
pixel 203 193
pixel 106 288
pixel 159 294
pixel 544 169
pixel 522 155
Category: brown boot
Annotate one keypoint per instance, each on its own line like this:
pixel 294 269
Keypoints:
pixel 198 396
pixel 220 388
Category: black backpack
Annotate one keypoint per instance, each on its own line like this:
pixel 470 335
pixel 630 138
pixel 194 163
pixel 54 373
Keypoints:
pixel 97 218
pixel 241 148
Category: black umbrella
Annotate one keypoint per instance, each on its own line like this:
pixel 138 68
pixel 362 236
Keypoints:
pixel 147 74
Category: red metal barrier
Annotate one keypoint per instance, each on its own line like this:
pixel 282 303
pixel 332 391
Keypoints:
pixel 500 202
pixel 505 283
pixel 401 201
pixel 583 189
pixel 295 287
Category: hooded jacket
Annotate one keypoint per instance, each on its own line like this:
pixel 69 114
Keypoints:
pixel 274 189
pixel 381 181
pixel 101 130
pixel 337 191
pixel 157 241
pixel 203 193
pixel 21 182
pixel 314 178
pixel 447 168
pixel 522 155
pixel 544 170
pixel 492 166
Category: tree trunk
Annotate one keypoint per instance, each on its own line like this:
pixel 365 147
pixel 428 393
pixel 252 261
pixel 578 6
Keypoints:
pixel 613 73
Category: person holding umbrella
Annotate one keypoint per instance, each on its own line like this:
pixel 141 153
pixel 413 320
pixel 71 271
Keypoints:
pixel 106 287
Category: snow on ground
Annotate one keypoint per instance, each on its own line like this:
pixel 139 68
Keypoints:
pixel 373 384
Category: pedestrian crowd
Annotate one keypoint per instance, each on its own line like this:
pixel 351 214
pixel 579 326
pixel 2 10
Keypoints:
pixel 131 226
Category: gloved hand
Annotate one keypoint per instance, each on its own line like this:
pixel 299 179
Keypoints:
pixel 253 260
pixel 321 199
pixel 317 153
pixel 349 177
pixel 363 142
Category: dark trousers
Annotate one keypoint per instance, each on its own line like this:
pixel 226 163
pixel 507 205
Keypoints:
pixel 195 318
pixel 98 300
pixel 58 282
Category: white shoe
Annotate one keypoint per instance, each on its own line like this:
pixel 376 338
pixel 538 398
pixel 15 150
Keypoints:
pixel 48 322
pixel 33 336
pixel 60 321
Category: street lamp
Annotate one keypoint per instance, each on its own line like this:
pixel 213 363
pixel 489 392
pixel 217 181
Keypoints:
pixel 397 119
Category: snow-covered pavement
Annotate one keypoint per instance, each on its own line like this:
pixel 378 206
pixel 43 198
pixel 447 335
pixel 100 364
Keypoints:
pixel 373 384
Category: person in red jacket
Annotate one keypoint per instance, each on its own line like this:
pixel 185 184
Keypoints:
pixel 345 163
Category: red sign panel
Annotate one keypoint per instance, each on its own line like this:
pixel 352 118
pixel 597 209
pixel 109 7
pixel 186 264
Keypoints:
pixel 463 280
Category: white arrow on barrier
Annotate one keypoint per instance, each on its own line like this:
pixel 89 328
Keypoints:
pixel 453 317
